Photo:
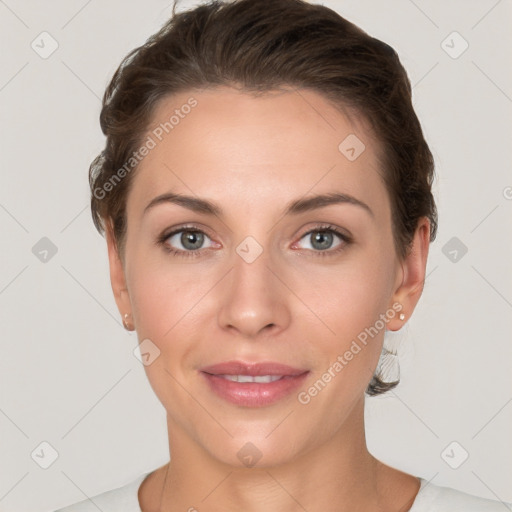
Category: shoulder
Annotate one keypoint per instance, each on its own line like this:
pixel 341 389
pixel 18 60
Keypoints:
pixel 435 498
pixel 121 499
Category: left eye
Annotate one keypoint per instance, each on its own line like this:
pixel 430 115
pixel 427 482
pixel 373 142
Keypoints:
pixel 188 239
pixel 322 239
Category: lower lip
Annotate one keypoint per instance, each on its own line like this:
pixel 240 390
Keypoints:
pixel 254 394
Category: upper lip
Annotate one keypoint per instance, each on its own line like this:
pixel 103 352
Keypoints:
pixel 252 369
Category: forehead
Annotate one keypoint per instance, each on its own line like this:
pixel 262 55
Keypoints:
pixel 244 148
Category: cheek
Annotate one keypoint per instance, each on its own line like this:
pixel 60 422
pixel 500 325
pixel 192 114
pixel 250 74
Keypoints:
pixel 346 343
pixel 348 320
pixel 349 296
pixel 348 302
pixel 168 311
pixel 165 296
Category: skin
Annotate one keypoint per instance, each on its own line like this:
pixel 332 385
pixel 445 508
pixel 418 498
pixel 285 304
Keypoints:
pixel 251 156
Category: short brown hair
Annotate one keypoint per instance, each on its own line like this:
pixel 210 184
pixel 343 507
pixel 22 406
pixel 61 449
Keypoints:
pixel 259 46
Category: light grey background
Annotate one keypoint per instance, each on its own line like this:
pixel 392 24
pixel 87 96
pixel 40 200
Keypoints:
pixel 67 371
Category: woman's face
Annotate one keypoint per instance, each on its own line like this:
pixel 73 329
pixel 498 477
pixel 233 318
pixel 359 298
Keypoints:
pixel 265 278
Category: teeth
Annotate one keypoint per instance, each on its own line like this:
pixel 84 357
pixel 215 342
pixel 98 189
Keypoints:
pixel 262 379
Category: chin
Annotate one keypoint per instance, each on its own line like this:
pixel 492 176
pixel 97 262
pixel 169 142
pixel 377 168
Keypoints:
pixel 254 455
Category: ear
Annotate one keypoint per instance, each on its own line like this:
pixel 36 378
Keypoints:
pixel 117 275
pixel 411 276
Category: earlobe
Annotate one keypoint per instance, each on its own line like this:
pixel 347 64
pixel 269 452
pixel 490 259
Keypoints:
pixel 413 267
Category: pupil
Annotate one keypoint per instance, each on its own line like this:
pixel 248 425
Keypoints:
pixel 323 238
pixel 193 238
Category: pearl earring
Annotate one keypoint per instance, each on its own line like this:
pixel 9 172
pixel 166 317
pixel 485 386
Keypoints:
pixel 401 316
pixel 125 321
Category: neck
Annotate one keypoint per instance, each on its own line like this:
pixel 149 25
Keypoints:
pixel 338 475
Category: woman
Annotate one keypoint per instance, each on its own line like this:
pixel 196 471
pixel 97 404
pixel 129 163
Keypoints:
pixel 265 193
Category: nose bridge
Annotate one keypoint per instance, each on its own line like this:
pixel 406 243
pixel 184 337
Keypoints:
pixel 253 298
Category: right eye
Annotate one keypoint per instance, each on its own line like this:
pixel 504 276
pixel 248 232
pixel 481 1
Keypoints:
pixel 185 241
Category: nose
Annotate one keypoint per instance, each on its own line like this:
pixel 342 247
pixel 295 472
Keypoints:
pixel 254 302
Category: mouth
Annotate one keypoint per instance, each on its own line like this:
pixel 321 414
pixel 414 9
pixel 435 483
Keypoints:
pixel 253 384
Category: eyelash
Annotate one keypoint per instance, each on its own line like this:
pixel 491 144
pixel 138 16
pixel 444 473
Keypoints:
pixel 346 240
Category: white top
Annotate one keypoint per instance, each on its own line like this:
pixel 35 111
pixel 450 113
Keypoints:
pixel 430 498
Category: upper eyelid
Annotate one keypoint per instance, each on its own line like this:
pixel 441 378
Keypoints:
pixel 336 231
pixel 179 229
pixel 342 234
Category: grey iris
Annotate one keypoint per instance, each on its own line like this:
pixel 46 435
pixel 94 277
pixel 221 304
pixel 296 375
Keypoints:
pixel 323 239
pixel 192 240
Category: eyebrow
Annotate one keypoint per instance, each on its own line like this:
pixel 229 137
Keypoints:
pixel 294 208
